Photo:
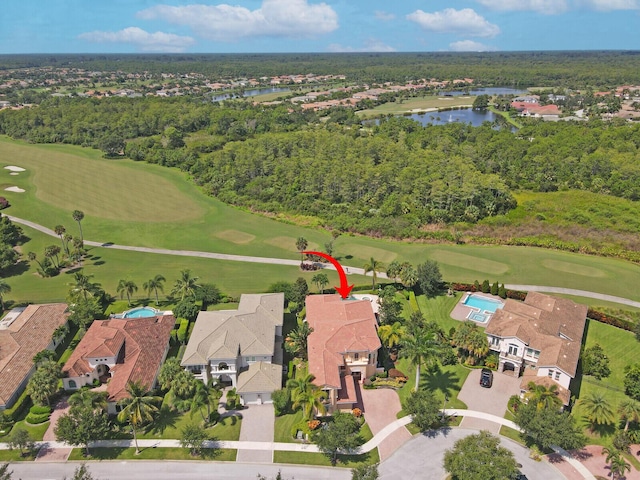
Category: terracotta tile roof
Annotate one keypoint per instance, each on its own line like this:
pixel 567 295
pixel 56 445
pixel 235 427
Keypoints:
pixel 140 344
pixel 28 334
pixel 554 326
pixel 224 334
pixel 339 326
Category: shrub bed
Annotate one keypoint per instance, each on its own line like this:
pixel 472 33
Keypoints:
pixel 36 418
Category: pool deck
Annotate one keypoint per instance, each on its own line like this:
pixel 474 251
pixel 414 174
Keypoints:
pixel 461 311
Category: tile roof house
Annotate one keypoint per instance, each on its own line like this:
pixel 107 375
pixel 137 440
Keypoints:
pixel 23 333
pixel 541 337
pixel 120 350
pixel 242 346
pixel 343 347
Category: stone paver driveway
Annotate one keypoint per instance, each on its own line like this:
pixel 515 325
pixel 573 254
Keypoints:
pixel 489 400
pixel 257 426
pixel 47 454
pixel 380 409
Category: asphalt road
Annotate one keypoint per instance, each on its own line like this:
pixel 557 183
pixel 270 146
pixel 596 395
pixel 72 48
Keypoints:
pixel 172 470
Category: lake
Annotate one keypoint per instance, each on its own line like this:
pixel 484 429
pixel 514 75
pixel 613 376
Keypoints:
pixel 462 115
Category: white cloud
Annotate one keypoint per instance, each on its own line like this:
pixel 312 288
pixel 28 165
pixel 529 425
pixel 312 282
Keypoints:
pixel 546 7
pixel 385 16
pixel 370 45
pixel 450 20
pixel 145 41
pixel 277 18
pixel 608 5
pixel 470 46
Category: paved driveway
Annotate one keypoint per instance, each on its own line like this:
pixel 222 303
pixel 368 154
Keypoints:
pixel 421 458
pixel 380 409
pixel 489 400
pixel 257 426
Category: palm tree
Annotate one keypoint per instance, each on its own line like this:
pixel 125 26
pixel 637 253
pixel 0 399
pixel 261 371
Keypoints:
pixel 393 270
pixel 4 289
pixel 629 410
pixel 128 288
pixel 34 258
pixel 391 334
pixel 374 267
pixel 89 398
pixel 301 245
pixel 138 408
pixel 78 215
pixel 186 285
pixel 321 280
pixel 204 397
pixel 155 284
pixel 82 285
pixel 296 342
pixel 543 397
pixel 617 465
pixel 307 395
pixel 408 275
pixel 60 231
pixel 597 408
pixel 53 251
pixel 422 346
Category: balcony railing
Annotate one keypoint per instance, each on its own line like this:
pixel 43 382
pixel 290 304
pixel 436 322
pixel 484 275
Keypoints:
pixel 511 356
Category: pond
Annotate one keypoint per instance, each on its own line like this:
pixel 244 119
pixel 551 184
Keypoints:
pixel 250 93
pixel 462 115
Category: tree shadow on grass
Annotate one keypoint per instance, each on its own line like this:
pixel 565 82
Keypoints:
pixel 104 453
pixel 438 380
pixel 362 459
pixel 15 270
pixel 167 418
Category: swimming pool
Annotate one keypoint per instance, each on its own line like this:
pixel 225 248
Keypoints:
pixel 479 317
pixel 142 312
pixel 484 304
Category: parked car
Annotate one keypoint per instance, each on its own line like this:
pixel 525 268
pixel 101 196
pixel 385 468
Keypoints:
pixel 486 378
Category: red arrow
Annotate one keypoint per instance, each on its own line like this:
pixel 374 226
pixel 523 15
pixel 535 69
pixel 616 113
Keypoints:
pixel 344 289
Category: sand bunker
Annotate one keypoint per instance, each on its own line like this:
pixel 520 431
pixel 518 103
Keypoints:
pixel 14 173
pixel 13 168
pixel 14 189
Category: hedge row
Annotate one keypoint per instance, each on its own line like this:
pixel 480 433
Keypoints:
pixel 182 331
pixel 40 410
pixel 470 287
pixel 35 419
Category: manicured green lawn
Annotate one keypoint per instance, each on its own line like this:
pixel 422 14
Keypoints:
pixel 152 453
pixel 621 348
pixel 146 205
pixel 512 434
pixel 14 456
pixel 35 431
pixel 444 380
pixel 439 308
pixel 283 425
pixel 307 458
pixel 170 424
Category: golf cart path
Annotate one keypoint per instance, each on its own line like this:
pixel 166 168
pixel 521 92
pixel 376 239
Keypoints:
pixel 283 261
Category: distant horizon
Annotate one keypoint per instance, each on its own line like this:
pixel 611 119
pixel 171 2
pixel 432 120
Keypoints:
pixel 317 26
pixel 408 52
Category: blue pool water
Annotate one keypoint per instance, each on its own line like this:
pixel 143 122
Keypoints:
pixel 140 313
pixel 482 303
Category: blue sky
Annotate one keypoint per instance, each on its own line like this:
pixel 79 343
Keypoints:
pixel 130 26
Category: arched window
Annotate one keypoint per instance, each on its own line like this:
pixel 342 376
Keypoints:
pixel 223 366
pixel 72 384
